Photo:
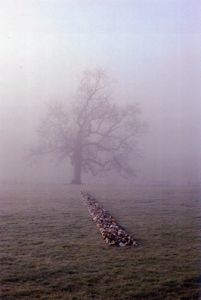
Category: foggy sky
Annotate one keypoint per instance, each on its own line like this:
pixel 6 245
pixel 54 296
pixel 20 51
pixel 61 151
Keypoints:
pixel 152 50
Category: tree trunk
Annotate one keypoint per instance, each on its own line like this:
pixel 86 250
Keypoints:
pixel 77 172
pixel 77 162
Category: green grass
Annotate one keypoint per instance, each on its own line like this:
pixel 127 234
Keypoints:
pixel 51 249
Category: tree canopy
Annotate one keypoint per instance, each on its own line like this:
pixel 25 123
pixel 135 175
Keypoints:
pixel 95 133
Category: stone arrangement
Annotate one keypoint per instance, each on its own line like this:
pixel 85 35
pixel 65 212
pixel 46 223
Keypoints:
pixel 112 233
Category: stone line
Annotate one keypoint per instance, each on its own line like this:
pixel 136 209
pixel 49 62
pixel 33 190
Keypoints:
pixel 111 231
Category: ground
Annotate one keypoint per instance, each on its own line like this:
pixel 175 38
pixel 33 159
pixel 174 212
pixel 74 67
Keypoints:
pixel 51 249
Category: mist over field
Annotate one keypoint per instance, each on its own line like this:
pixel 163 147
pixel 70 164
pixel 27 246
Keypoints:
pixel 150 49
pixel 108 88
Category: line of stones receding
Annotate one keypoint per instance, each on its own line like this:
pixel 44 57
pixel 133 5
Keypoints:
pixel 111 231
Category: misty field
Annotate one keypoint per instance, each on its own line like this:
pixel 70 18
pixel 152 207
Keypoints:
pixel 51 249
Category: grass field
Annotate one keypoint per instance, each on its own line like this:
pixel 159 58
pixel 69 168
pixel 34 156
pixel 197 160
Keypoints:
pixel 51 249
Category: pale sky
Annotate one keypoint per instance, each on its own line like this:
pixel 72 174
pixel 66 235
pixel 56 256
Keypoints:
pixel 152 49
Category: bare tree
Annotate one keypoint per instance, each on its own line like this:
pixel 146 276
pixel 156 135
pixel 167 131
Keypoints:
pixel 95 133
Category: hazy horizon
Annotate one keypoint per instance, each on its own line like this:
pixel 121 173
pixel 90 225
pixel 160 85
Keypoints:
pixel 151 50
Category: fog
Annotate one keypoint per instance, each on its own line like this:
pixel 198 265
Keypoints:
pixel 151 50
